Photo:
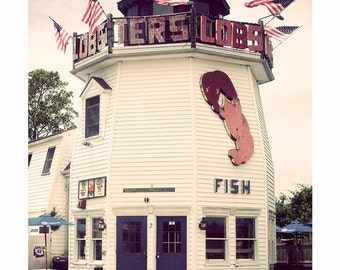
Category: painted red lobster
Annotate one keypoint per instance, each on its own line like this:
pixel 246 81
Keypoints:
pixel 219 91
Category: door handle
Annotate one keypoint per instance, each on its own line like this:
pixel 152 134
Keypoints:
pixel 157 256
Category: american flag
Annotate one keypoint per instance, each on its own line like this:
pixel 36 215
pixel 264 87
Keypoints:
pixel 274 6
pixel 172 2
pixel 92 14
pixel 280 33
pixel 62 37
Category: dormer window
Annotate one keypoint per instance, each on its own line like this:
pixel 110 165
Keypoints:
pixel 92 116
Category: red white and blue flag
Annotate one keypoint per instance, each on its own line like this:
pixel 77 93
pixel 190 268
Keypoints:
pixel 172 2
pixel 274 6
pixel 280 33
pixel 62 37
pixel 92 14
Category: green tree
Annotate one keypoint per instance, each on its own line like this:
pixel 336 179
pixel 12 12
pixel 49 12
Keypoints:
pixel 50 108
pixel 298 206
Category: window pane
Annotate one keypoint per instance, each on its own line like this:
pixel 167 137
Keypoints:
pixel 215 238
pixel 92 101
pixel 171 240
pixel 92 131
pixel 245 238
pixel 96 233
pixel 81 249
pixel 245 249
pixel 81 232
pixel 97 250
pixel 132 237
pixel 245 228
pixel 215 227
pixel 92 115
pixel 215 249
pixel 81 228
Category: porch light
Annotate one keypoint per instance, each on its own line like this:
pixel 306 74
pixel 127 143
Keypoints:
pixel 101 225
pixel 203 224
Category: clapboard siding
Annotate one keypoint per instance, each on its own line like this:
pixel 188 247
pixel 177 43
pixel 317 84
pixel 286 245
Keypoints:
pixel 49 191
pixel 213 141
pixel 152 142
pixel 41 194
pixel 213 145
pixel 156 131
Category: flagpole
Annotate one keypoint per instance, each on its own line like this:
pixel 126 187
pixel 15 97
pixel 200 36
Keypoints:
pixel 270 20
pixel 287 37
pixel 264 17
pixel 278 16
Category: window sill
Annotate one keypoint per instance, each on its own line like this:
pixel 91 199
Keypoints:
pixel 243 262
pixel 96 263
pixel 216 263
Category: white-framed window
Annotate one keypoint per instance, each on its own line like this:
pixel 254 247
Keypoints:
pixel 81 238
pixel 92 116
pixel 48 160
pixel 231 235
pixel 97 241
pixel 245 238
pixel 88 239
pixel 216 238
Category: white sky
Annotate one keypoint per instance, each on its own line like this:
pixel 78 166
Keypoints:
pixel 287 102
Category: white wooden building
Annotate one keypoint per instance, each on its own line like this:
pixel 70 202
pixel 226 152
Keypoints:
pixel 152 185
pixel 48 184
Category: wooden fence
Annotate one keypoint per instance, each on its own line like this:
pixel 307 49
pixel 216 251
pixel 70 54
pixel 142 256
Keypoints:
pixel 294 250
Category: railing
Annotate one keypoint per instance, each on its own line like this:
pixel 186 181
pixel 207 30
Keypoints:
pixel 189 27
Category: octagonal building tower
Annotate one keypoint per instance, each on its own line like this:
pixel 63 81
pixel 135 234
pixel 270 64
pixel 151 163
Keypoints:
pixel 171 167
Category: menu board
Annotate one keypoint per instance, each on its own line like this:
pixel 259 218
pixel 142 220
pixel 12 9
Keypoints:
pixel 92 188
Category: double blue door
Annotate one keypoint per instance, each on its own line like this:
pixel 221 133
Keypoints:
pixel 132 243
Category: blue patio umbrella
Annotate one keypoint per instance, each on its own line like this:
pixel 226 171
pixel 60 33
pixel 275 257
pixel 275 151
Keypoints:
pixel 278 229
pixel 296 226
pixel 47 221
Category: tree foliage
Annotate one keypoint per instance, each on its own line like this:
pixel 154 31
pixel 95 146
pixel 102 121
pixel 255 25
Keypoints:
pixel 297 206
pixel 50 108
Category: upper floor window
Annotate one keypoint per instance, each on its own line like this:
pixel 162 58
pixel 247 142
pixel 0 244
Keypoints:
pixel 92 116
pixel 48 160
pixel 216 238
pixel 245 238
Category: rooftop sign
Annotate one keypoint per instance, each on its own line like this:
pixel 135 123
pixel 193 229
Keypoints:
pixel 172 28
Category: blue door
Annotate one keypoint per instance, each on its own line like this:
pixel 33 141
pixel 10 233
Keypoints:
pixel 171 243
pixel 131 243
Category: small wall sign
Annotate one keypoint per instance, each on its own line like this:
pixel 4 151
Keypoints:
pixel 92 188
pixel 161 189
pixel 38 251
